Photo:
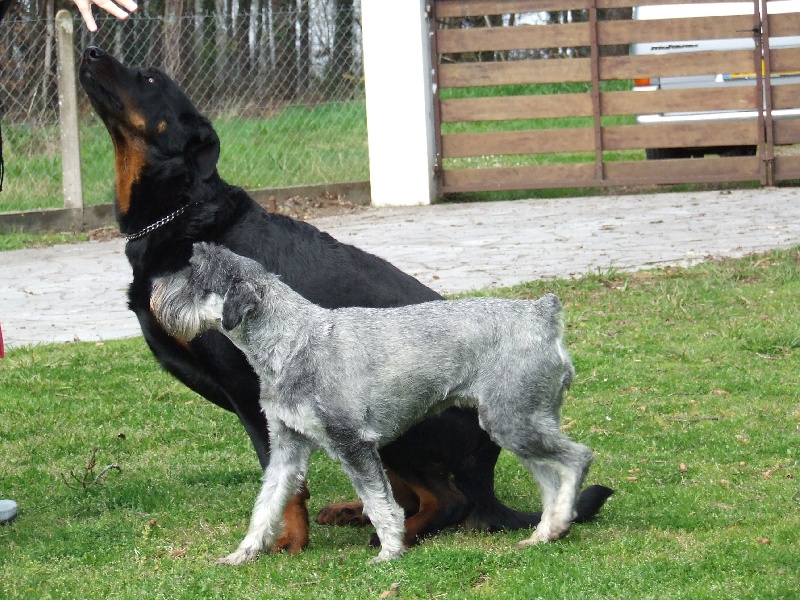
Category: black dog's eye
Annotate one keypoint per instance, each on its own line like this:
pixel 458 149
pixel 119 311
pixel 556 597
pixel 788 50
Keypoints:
pixel 151 80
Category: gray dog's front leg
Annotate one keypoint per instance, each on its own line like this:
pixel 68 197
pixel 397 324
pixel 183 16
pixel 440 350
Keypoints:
pixel 283 478
pixel 362 464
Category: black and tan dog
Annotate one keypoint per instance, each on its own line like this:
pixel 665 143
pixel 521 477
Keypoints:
pixel 169 195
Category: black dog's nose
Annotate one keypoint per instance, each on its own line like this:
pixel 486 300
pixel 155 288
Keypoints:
pixel 93 53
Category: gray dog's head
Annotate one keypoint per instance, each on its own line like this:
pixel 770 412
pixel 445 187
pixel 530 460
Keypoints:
pixel 215 291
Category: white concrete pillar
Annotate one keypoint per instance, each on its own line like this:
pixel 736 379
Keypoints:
pixel 397 72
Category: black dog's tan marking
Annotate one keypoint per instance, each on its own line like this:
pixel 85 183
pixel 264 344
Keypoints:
pixel 129 162
pixel 166 179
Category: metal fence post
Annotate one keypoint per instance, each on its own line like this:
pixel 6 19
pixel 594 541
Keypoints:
pixel 68 113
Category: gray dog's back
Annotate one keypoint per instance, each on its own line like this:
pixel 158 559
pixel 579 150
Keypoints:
pixel 419 354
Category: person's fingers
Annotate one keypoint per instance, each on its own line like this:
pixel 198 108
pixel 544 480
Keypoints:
pixel 117 8
pixel 85 8
pixel 112 8
pixel 128 5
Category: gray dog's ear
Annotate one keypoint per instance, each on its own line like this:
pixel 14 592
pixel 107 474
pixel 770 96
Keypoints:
pixel 240 299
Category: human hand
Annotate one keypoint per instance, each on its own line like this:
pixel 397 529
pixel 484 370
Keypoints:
pixel 110 6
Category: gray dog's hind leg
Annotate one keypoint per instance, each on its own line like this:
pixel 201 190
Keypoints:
pixel 560 477
pixel 362 464
pixel 283 478
pixel 558 464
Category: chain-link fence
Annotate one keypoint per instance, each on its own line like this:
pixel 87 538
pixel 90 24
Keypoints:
pixel 283 89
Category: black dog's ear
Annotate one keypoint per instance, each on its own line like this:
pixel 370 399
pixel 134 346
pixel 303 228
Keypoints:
pixel 203 147
pixel 240 299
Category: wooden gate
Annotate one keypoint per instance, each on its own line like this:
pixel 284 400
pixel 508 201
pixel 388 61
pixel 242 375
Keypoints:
pixel 525 105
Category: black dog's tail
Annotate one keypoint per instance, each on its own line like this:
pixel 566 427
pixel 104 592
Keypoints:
pixel 496 516
pixel 591 501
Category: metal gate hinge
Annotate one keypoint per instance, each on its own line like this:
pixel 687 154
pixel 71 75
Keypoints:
pixel 756 31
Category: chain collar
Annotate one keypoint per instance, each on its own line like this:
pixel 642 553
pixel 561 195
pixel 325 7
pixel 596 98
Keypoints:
pixel 161 222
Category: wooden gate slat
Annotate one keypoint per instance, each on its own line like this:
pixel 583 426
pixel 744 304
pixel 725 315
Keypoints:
pixel 787 167
pixel 680 135
pixel 627 3
pixel 674 65
pixel 685 170
pixel 707 170
pixel 509 108
pixel 786 96
pixel 514 72
pixel 578 69
pixel 621 137
pixel 786 132
pixel 517 178
pixel 479 8
pixel 785 59
pixel 459 145
pixel 521 37
pixel 697 28
pixel 679 100
pixel 784 24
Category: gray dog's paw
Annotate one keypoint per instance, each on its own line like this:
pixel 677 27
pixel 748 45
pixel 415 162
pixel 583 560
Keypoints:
pixel 239 557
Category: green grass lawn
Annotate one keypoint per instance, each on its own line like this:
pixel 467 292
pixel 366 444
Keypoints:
pixel 17 241
pixel 298 145
pixel 687 389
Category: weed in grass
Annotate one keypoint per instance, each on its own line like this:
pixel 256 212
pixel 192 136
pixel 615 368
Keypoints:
pixel 88 477
pixel 686 389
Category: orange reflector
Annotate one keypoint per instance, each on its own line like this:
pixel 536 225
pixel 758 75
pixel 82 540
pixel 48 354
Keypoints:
pixel 641 82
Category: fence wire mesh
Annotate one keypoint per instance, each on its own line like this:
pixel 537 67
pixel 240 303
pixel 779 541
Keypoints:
pixel 283 89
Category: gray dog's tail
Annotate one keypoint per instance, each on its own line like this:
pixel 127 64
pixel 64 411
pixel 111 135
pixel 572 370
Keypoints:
pixel 552 309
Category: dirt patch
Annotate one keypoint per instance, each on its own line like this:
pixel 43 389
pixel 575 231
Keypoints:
pixel 305 209
pixel 297 207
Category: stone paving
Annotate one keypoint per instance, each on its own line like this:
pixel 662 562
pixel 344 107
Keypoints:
pixel 78 292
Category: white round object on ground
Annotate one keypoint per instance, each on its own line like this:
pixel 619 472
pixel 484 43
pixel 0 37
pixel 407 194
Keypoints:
pixel 8 510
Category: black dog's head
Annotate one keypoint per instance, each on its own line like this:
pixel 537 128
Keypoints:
pixel 151 122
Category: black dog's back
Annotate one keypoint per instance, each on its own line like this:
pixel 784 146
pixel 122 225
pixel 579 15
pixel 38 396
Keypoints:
pixel 323 270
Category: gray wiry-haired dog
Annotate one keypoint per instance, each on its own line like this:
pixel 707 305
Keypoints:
pixel 353 379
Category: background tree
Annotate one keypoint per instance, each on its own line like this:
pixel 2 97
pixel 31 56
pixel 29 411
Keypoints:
pixel 173 14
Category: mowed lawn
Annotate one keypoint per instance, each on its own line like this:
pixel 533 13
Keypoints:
pixel 296 146
pixel 687 388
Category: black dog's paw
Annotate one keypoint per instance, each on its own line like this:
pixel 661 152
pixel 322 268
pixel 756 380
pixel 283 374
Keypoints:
pixel 348 513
